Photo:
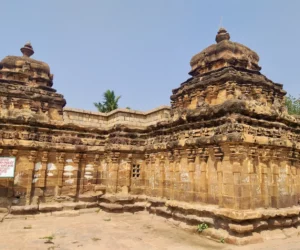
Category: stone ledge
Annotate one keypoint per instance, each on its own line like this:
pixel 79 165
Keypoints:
pixel 3 210
pixel 28 209
pixel 111 206
pixel 120 110
pixel 50 207
pixel 66 213
pixel 89 210
pixel 236 215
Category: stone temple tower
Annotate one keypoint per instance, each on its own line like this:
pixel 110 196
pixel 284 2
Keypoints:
pixel 26 89
pixel 241 123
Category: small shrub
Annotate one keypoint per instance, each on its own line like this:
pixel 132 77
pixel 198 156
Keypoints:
pixel 49 239
pixel 28 227
pixel 202 227
pixel 95 239
pixel 222 240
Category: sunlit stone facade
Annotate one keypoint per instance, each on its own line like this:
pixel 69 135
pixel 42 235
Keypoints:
pixel 226 153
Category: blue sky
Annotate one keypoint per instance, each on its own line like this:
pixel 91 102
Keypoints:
pixel 142 48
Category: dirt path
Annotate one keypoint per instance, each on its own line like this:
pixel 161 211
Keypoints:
pixel 111 231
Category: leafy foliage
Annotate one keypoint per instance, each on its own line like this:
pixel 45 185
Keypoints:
pixel 202 227
pixel 110 102
pixel 293 105
pixel 49 239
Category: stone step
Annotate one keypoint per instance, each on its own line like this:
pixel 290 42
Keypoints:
pixel 28 209
pixel 137 206
pixel 157 202
pixel 111 206
pixel 121 199
pixel 67 213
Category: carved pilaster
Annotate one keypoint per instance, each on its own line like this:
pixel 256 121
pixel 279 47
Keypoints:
pixel 162 158
pixel 203 154
pixel 129 159
pixel 265 155
pixel 60 157
pixel 76 158
pixel 170 157
pixel 96 159
pixel 114 157
pixel 177 155
pixel 13 152
pixel 253 154
pixel 191 155
pixel 152 158
pixel 147 158
pixel 44 157
pixel 218 153
pixel 60 161
pixel 113 167
pixel 32 156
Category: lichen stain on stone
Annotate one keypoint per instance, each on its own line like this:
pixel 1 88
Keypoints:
pixel 38 166
pixel 51 166
pixel 184 177
pixel 69 168
pixel 69 181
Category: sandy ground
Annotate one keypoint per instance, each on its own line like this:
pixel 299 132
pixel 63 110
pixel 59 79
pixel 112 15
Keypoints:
pixel 112 231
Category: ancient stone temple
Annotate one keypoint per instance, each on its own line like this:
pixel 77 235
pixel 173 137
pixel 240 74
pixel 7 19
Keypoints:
pixel 226 153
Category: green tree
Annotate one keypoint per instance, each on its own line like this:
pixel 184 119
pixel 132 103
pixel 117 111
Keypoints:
pixel 110 102
pixel 293 105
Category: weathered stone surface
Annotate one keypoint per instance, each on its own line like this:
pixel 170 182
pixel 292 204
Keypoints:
pixel 215 233
pixel 136 206
pixel 253 239
pixel 89 210
pixel 281 222
pixel 163 210
pixel 241 228
pixel 199 220
pixel 65 213
pixel 92 204
pixel 69 205
pixel 290 232
pixel 24 209
pixel 81 205
pixel 273 234
pixel 3 210
pixel 50 207
pixel 260 225
pixel 111 206
pixel 209 158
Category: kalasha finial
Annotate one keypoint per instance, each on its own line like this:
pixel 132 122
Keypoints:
pixel 222 35
pixel 27 50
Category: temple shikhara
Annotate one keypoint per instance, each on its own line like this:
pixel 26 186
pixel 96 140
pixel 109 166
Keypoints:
pixel 225 153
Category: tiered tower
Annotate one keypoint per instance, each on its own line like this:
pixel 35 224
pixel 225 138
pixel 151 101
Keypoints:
pixel 26 89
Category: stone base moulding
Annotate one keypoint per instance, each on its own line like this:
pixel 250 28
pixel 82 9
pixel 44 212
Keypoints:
pixel 231 226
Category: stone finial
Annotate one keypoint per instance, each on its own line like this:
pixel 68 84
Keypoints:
pixel 27 50
pixel 222 35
